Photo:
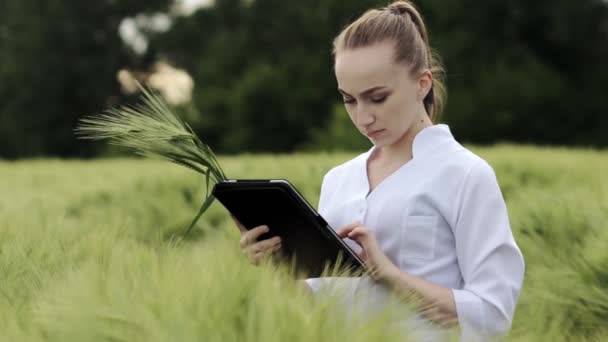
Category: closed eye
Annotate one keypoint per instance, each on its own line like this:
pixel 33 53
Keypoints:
pixel 348 100
pixel 378 99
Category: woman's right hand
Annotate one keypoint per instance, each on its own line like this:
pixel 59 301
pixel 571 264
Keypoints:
pixel 254 250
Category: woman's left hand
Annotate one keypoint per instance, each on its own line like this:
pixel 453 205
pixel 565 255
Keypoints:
pixel 379 265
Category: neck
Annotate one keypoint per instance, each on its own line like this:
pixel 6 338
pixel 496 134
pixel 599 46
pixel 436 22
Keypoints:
pixel 402 150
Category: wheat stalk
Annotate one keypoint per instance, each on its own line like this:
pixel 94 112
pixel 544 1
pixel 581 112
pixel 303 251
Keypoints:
pixel 151 129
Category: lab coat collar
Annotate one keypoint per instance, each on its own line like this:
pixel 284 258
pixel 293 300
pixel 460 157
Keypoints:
pixel 426 140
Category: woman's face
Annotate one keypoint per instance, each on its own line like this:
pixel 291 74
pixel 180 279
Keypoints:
pixel 381 97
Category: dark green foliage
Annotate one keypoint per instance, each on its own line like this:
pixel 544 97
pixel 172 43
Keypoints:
pixel 530 72
pixel 518 71
pixel 58 61
pixel 263 71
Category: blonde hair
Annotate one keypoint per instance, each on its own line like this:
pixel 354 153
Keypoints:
pixel 402 23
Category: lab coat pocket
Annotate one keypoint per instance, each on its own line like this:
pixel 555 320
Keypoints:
pixel 418 237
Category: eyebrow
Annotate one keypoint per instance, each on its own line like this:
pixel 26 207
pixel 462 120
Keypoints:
pixel 366 92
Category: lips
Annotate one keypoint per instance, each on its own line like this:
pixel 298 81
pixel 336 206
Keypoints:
pixel 372 133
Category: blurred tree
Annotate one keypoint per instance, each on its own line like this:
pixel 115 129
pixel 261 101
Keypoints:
pixel 339 135
pixel 519 71
pixel 524 71
pixel 262 69
pixel 58 61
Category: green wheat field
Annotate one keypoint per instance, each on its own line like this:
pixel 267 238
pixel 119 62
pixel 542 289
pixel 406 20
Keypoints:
pixel 92 251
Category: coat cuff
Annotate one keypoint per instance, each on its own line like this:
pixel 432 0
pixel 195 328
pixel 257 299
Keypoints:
pixel 469 308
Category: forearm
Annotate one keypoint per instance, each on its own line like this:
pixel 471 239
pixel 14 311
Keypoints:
pixel 433 301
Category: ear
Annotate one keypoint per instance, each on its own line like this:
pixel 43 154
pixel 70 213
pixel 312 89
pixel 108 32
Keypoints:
pixel 425 82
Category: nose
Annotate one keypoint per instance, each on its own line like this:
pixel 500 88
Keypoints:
pixel 364 116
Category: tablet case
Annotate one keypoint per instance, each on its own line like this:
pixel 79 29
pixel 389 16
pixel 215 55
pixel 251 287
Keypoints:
pixel 305 235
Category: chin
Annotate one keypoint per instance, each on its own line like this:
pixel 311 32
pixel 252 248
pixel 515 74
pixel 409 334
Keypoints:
pixel 379 142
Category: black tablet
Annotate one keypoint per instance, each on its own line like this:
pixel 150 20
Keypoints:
pixel 306 238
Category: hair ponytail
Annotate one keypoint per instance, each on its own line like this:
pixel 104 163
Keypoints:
pixel 406 7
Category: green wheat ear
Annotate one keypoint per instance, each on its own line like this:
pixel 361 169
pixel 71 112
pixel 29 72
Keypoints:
pixel 153 130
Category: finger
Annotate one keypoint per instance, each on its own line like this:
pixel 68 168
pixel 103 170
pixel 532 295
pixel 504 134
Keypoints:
pixel 265 255
pixel 362 237
pixel 263 245
pixel 253 256
pixel 251 236
pixel 256 251
pixel 276 248
pixel 356 237
pixel 343 232
pixel 257 231
pixel 268 252
pixel 359 234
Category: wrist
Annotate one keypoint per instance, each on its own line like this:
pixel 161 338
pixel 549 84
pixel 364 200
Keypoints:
pixel 391 276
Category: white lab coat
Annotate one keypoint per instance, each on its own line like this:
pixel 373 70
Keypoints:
pixel 441 216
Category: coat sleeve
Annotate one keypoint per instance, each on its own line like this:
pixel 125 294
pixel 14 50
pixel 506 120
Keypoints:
pixel 491 264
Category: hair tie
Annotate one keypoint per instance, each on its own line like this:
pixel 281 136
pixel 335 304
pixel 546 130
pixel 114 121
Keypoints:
pixel 397 10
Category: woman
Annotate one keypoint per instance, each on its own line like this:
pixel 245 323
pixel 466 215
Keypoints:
pixel 426 214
